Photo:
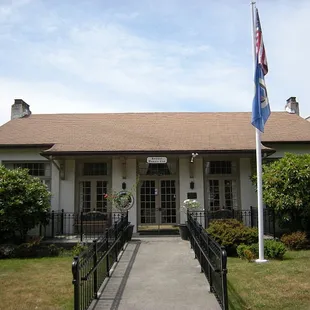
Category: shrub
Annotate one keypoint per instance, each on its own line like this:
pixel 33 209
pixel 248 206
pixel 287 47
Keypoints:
pixel 7 250
pixel 272 250
pixel 78 249
pixel 24 203
pixel 295 241
pixel 231 233
pixel 245 252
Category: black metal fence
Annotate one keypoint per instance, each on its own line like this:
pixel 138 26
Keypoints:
pixel 83 225
pixel 92 266
pixel 212 258
pixel 247 217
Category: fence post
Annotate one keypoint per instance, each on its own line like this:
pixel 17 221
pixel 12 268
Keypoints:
pixel 274 223
pixel 224 277
pixel 76 282
pixel 108 265
pixel 95 259
pixel 62 221
pixel 53 224
pixel 81 228
pixel 251 217
pixel 116 242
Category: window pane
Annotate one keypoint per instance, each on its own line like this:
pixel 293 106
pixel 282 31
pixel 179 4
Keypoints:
pixel 157 169
pixel 35 169
pixel 214 195
pixel 101 190
pixel 220 167
pixel 230 194
pixel 95 169
pixel 85 196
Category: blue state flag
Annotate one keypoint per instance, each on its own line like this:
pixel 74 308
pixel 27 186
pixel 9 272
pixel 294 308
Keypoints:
pixel 260 106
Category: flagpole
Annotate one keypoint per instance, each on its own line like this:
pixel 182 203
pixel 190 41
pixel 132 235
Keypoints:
pixel 258 159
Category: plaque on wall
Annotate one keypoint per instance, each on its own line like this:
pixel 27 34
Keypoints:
pixel 156 160
pixel 192 195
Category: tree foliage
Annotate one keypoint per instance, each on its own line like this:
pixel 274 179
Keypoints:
pixel 286 189
pixel 24 202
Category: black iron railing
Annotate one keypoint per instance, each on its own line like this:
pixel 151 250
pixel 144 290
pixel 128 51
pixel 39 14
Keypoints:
pixel 92 266
pixel 82 226
pixel 247 217
pixel 212 258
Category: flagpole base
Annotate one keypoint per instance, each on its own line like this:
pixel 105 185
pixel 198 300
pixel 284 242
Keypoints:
pixel 261 261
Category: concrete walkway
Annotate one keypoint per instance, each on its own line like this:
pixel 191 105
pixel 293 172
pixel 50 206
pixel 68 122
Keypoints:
pixel 157 273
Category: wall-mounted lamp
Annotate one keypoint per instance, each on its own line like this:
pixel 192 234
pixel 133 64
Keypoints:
pixel 193 157
pixel 192 185
pixel 124 185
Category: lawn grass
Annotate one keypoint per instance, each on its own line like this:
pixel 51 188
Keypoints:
pixel 38 283
pixel 276 285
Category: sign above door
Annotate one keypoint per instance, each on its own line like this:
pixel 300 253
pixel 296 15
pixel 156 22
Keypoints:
pixel 156 160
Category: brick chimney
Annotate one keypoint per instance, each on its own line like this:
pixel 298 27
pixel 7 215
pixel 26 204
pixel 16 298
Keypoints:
pixel 292 106
pixel 20 109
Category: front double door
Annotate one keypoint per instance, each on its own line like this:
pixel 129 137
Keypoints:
pixel 158 204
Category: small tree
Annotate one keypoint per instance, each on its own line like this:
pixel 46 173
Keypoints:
pixel 286 189
pixel 24 202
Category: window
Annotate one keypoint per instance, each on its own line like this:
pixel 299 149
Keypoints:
pixel 92 196
pixel 95 169
pixel 222 194
pixel 221 185
pixel 41 170
pixel 157 169
pixel 220 167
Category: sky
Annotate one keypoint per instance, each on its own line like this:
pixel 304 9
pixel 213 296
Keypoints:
pixel 91 56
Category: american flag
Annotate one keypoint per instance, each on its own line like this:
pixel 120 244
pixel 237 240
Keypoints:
pixel 260 48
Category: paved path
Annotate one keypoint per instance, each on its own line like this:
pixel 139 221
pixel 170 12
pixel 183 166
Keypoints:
pixel 157 273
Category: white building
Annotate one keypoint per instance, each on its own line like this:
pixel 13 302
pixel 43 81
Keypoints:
pixel 208 156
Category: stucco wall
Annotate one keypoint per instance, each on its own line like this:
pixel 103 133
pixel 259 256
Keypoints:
pixel 184 182
pixel 289 148
pixel 67 187
pixel 247 190
pixel 131 179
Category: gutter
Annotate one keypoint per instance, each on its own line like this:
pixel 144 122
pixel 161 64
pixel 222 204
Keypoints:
pixel 151 152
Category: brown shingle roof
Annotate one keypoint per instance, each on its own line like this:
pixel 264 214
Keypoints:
pixel 150 131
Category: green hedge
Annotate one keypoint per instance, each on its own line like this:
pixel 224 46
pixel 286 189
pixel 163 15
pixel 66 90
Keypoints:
pixel 231 233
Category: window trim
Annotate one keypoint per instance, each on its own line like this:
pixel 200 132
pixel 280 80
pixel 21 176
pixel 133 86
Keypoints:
pixel 43 178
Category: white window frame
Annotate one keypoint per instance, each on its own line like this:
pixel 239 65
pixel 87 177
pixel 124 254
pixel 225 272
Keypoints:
pixel 93 180
pixel 221 178
pixel 46 179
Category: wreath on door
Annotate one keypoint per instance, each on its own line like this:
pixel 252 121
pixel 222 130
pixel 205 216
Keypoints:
pixel 123 200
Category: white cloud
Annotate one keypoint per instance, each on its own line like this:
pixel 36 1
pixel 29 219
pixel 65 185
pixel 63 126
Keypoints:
pixel 93 66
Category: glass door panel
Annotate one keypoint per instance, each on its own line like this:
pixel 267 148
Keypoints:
pixel 167 202
pixel 148 202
